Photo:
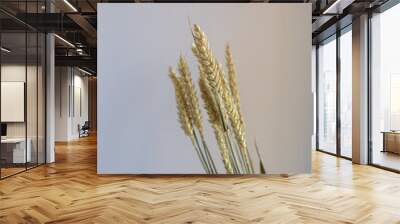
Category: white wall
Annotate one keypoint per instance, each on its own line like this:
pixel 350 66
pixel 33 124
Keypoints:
pixel 138 130
pixel 69 82
pixel 19 73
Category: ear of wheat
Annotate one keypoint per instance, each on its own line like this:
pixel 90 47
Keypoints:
pixel 221 99
pixel 181 105
pixel 190 93
pixel 232 77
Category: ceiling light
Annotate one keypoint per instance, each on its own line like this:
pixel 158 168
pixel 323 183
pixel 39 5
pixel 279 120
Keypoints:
pixel 84 71
pixel 327 11
pixel 70 5
pixel 65 41
pixel 5 50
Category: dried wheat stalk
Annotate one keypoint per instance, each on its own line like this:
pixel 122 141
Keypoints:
pixel 192 103
pixel 184 120
pixel 214 119
pixel 217 83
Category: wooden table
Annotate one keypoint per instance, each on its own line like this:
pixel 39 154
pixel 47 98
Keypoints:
pixel 391 141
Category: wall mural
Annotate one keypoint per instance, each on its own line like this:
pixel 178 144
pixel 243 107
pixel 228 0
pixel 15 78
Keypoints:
pixel 238 90
pixel 221 100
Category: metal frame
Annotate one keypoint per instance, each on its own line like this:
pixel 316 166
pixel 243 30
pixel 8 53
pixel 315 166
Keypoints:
pixel 369 96
pixel 317 97
pixel 338 96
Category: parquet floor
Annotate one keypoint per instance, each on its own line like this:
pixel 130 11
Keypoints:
pixel 69 191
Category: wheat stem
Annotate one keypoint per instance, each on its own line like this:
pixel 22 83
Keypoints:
pixel 200 155
pixel 208 154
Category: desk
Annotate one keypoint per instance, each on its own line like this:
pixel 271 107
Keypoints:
pixel 391 141
pixel 13 150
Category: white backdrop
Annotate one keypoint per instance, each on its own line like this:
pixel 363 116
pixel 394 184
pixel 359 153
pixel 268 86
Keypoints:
pixel 138 131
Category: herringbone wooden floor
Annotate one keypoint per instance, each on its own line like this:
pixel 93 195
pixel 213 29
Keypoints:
pixel 69 191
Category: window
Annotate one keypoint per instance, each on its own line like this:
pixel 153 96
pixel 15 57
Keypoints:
pixel 385 89
pixel 327 96
pixel 346 93
pixel 335 74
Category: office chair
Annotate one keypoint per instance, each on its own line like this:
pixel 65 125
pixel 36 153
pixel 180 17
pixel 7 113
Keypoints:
pixel 84 130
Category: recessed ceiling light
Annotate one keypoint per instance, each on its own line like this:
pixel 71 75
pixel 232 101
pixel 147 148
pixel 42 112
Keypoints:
pixel 337 7
pixel 5 50
pixel 64 40
pixel 70 5
pixel 84 71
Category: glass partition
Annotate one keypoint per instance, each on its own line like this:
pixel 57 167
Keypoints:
pixel 32 98
pixel 13 109
pixel 22 101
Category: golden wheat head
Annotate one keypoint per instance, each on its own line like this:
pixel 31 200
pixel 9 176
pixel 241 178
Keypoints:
pixel 190 93
pixel 232 75
pixel 181 106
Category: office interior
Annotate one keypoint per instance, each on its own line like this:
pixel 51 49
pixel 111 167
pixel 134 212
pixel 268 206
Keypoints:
pixel 25 49
pixel 335 91
pixel 25 65
pixel 48 91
